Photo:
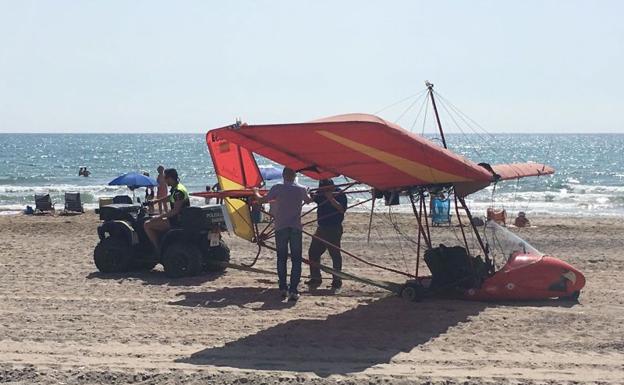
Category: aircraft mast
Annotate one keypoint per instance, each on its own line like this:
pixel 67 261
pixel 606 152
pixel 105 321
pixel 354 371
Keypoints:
pixel 435 110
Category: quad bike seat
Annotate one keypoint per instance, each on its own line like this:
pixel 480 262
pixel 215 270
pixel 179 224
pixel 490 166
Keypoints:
pixel 120 211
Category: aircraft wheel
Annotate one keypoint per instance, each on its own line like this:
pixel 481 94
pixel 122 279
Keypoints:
pixel 112 255
pixel 572 297
pixel 182 260
pixel 575 296
pixel 411 293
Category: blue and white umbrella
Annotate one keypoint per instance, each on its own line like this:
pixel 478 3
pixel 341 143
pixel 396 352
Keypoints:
pixel 133 180
pixel 271 172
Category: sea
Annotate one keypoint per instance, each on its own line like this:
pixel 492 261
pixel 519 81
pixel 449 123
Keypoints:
pixel 589 178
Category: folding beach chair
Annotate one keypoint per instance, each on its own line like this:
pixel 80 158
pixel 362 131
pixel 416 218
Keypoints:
pixel 43 204
pixel 73 202
pixel 440 212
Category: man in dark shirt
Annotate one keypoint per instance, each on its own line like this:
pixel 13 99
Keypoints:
pixel 332 204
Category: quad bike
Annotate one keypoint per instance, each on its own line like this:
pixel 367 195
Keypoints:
pixel 192 247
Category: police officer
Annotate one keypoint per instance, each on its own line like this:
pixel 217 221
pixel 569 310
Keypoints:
pixel 178 199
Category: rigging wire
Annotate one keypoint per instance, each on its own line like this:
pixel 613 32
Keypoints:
pixel 471 123
pixel 397 227
pixel 452 113
pixel 425 118
pixel 465 117
pixel 391 252
pixel 382 239
pixel 467 138
pixel 400 101
pixel 408 108
pixel 420 110
pixel 400 231
pixel 399 241
pixel 492 198
pixel 475 127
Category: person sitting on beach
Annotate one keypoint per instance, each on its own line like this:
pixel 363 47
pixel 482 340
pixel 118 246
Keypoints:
pixel 332 204
pixel 521 220
pixel 161 191
pixel 208 200
pixel 289 197
pixel 149 194
pixel 178 199
pixel 217 188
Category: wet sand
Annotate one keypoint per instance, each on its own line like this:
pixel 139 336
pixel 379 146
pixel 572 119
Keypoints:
pixel 63 322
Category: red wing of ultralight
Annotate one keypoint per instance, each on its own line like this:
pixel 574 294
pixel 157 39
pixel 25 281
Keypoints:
pixel 362 147
pixel 521 170
pixel 505 172
pixel 369 150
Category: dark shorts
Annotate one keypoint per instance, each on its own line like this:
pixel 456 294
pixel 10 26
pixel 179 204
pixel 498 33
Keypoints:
pixel 174 221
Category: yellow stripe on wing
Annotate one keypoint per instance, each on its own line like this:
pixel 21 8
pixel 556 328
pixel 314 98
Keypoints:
pixel 420 171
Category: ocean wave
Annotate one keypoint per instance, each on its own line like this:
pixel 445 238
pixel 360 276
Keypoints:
pixel 58 188
pixel 573 199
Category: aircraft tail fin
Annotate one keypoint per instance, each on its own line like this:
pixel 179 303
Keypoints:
pixel 521 170
pixel 236 169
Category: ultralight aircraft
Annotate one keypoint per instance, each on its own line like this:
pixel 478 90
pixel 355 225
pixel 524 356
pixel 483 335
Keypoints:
pixel 383 159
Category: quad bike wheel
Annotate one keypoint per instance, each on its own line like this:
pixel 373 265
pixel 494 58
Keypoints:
pixel 216 256
pixel 182 260
pixel 144 264
pixel 112 255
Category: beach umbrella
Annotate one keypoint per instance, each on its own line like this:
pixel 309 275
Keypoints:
pixel 133 180
pixel 271 172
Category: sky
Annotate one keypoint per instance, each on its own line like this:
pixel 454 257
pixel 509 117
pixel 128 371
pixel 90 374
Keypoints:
pixel 189 66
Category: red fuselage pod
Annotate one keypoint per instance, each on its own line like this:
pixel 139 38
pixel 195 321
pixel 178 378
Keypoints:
pixel 530 277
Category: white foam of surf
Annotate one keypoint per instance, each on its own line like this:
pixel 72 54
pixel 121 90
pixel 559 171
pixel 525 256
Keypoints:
pixel 571 200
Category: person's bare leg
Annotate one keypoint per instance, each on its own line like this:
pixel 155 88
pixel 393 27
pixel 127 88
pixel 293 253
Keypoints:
pixel 154 227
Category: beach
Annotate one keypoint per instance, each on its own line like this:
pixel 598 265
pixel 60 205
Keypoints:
pixel 63 322
pixel 238 116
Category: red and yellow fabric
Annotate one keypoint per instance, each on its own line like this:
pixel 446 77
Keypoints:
pixel 236 169
pixel 363 147
pixel 370 150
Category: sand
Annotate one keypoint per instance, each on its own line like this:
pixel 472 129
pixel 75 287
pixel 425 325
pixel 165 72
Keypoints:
pixel 63 322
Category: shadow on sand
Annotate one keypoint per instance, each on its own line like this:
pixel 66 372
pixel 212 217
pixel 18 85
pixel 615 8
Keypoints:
pixel 367 335
pixel 242 297
pixel 156 277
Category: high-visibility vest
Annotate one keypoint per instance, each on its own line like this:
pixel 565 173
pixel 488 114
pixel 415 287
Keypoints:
pixel 179 187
